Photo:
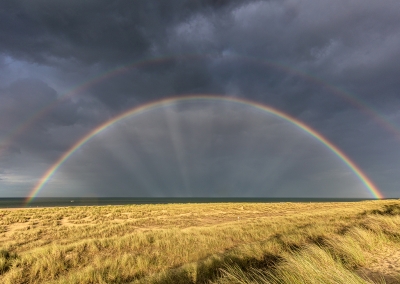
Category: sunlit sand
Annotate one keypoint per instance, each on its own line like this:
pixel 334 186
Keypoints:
pixel 345 242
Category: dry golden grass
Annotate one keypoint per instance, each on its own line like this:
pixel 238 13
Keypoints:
pixel 354 242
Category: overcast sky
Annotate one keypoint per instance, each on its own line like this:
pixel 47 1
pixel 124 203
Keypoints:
pixel 333 65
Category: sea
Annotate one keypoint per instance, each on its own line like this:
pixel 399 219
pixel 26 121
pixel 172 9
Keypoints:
pixel 103 201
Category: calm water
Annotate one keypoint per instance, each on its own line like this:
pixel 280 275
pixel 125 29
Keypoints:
pixel 50 202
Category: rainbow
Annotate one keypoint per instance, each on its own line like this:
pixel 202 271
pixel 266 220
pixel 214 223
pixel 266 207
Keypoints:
pixel 27 123
pixel 170 101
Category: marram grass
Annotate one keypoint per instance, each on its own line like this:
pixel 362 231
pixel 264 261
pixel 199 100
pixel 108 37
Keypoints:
pixel 202 243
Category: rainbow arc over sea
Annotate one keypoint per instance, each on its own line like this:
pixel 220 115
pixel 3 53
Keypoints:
pixel 369 185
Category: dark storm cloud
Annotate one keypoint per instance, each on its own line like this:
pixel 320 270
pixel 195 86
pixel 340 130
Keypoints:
pixel 340 41
pixel 246 49
pixel 90 31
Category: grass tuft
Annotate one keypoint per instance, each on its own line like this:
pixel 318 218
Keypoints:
pixel 201 243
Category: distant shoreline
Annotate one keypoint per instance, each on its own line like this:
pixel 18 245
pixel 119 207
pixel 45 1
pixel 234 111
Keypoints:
pixel 45 202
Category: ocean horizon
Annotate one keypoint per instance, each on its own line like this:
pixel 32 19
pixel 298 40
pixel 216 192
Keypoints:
pixel 18 202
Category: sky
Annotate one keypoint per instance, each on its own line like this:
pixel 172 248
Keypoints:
pixel 67 67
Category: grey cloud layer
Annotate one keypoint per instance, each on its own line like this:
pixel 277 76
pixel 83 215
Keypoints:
pixel 244 49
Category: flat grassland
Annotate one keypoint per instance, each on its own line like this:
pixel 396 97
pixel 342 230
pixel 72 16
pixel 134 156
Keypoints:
pixel 346 242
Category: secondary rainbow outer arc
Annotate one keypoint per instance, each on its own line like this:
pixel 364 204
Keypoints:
pixel 390 127
pixel 74 91
pixel 155 104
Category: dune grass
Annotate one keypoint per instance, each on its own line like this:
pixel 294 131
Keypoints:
pixel 202 243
